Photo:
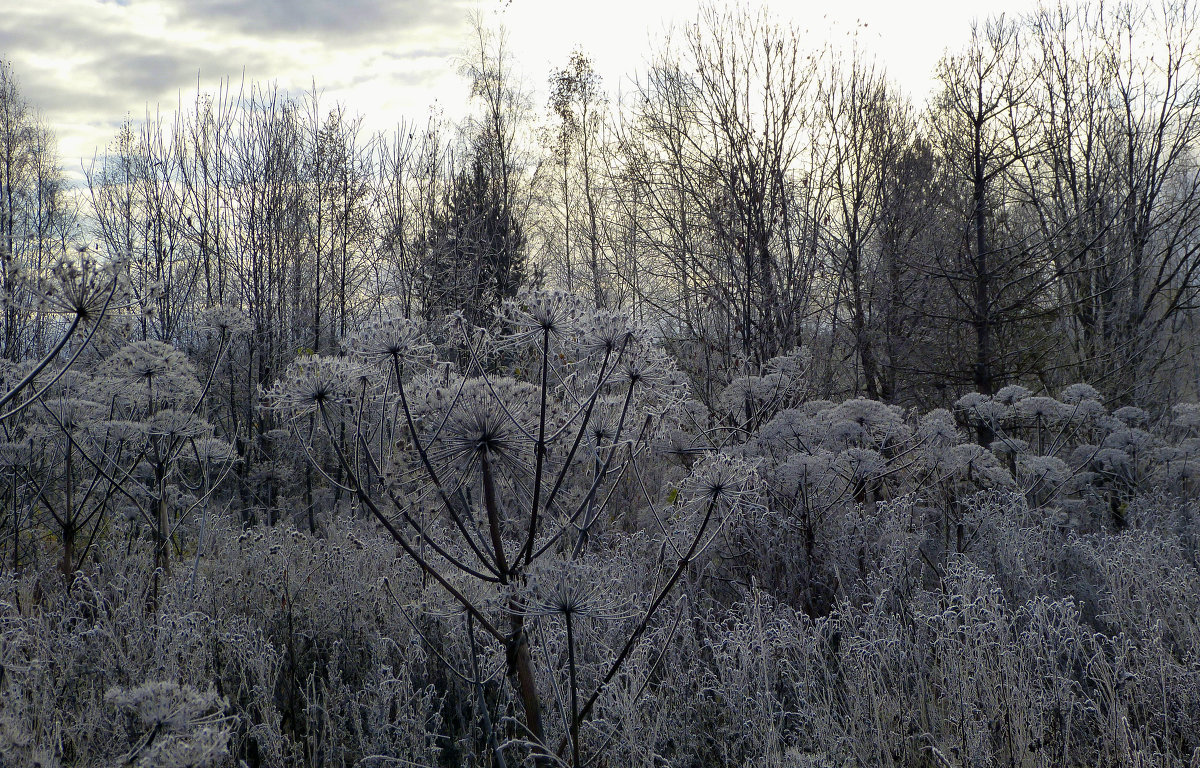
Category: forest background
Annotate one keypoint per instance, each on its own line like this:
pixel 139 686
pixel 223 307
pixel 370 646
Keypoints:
pixel 846 432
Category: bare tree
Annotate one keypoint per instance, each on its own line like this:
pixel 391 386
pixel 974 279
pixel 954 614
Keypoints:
pixel 475 250
pixel 340 229
pixel 204 168
pixel 713 152
pixel 410 179
pixel 991 259
pixel 140 212
pixel 577 102
pixel 1117 190
pixel 37 216
pixel 869 144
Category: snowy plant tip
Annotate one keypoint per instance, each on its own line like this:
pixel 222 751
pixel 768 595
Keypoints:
pixel 225 319
pixel 81 285
pixel 724 480
pixel 314 383
pixel 390 340
pixel 554 312
pixel 183 726
pixel 571 589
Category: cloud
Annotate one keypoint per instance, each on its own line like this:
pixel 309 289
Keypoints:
pixel 85 64
pixel 77 56
pixel 327 20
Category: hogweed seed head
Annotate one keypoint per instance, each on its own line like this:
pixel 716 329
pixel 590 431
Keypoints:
pixel 724 480
pixel 1044 471
pixel 390 339
pixel 177 424
pixel 1186 416
pixel 1011 395
pixel 1077 393
pixel 938 428
pixel 80 285
pixel 485 418
pixel 1131 415
pixel 607 332
pixel 536 313
pixel 74 413
pixel 149 360
pixel 1041 408
pixel 225 319
pixel 314 383
pixel 570 589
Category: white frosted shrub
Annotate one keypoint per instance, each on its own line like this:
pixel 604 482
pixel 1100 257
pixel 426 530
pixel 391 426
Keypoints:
pixel 1131 415
pixel 1074 394
pixel 172 725
pixel 1186 416
pixel 1043 410
pixel 938 428
pixel 529 545
pixel 752 399
pixel 1011 395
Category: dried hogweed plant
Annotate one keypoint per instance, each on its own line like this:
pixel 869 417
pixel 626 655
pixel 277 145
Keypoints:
pixel 502 473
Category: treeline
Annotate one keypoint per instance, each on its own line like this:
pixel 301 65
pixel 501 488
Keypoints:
pixel 1035 222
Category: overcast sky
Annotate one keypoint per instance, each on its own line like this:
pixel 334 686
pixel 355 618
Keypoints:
pixel 87 63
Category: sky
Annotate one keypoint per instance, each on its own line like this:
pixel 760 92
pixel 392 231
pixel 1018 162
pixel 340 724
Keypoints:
pixel 86 64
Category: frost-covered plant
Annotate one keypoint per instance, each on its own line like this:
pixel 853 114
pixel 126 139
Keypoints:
pixel 480 475
pixel 83 291
pixel 315 664
pixel 960 670
pixel 751 399
pixel 938 429
pixel 122 433
pixel 1074 459
pixel 172 725
pixel 825 461
pixel 98 425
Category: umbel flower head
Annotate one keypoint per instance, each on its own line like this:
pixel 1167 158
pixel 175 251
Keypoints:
pixel 606 331
pixel 791 430
pixel 804 472
pixel 602 427
pixel 1131 415
pixel 391 338
pixel 156 370
pixel 724 480
pixel 211 450
pixel 120 430
pixel 1012 394
pixel 938 428
pixel 1041 409
pixel 746 392
pixel 486 418
pixel 860 464
pixel 1186 416
pixel 73 413
pixel 314 383
pixel 1044 471
pixel 14 455
pixel 83 287
pixel 570 589
pixel 533 313
pixel 177 424
pixel 225 319
pixel 974 464
pixel 1073 394
pixel 185 726
pixel 148 360
pixel 658 387
pixel 879 423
